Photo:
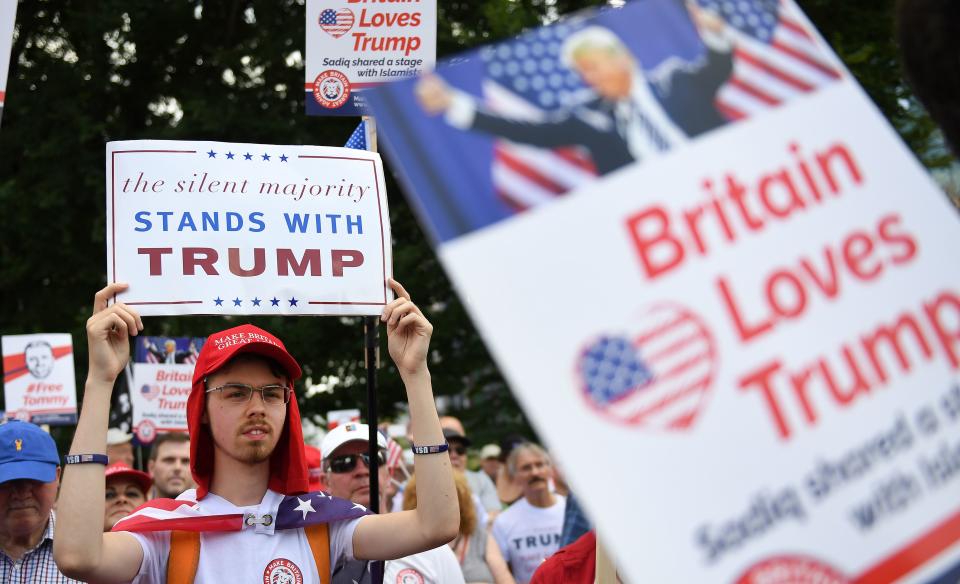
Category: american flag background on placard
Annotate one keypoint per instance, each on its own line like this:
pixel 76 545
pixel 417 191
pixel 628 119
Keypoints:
pixel 658 373
pixel 526 80
pixel 775 58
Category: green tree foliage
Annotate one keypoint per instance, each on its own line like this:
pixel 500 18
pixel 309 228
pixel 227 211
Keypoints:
pixel 85 73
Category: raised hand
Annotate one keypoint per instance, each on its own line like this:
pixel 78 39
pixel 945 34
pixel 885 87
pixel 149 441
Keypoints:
pixel 108 335
pixel 408 332
pixel 433 94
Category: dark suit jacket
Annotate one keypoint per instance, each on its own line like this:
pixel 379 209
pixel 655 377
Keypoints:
pixel 686 95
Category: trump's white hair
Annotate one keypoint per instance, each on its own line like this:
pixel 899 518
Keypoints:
pixel 591 38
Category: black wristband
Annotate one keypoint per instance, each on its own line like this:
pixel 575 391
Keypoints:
pixel 435 449
pixel 87 458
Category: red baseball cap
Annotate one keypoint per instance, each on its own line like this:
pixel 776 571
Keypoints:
pixel 123 470
pixel 288 466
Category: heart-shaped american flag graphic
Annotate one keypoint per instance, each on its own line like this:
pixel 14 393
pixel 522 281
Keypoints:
pixel 150 391
pixel 336 23
pixel 657 372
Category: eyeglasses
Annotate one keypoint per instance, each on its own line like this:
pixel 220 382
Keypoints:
pixel 241 393
pixel 347 462
pixel 458 449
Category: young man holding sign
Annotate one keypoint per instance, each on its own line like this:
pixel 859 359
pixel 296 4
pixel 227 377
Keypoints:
pixel 247 459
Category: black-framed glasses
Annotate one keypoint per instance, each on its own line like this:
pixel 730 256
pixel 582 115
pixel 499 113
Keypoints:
pixel 348 462
pixel 458 449
pixel 241 393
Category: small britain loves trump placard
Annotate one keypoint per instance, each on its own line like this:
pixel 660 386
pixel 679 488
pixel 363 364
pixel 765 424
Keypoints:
pixel 221 228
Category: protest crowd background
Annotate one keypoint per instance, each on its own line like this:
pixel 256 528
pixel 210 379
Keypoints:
pixel 230 71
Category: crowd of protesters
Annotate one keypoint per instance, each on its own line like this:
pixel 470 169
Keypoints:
pixel 241 495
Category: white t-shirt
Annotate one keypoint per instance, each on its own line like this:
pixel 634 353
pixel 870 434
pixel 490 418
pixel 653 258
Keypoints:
pixel 436 566
pixel 528 535
pixel 253 554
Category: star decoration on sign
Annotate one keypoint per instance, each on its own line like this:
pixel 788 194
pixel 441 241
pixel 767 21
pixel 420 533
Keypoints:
pixel 274 301
pixel 293 301
pixel 211 154
pixel 256 301
pixel 266 156
pixel 304 507
pixel 229 155
pixel 283 158
pixel 218 301
pixel 236 302
pixel 248 156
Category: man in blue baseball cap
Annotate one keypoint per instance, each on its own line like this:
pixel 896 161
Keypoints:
pixel 29 473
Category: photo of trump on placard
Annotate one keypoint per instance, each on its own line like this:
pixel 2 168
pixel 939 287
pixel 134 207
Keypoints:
pixel 517 125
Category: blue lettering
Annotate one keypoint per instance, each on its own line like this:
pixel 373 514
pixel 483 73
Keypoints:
pixel 186 221
pixel 295 223
pixel 333 222
pixel 255 218
pixel 357 221
pixel 234 221
pixel 211 221
pixel 166 216
pixel 141 217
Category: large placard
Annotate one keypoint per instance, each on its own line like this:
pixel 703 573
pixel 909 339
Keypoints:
pixel 354 45
pixel 221 228
pixel 38 380
pixel 742 303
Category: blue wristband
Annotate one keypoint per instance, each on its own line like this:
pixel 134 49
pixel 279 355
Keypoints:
pixel 87 458
pixel 431 449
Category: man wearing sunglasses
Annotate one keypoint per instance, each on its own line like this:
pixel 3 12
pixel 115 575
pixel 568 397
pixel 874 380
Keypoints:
pixel 346 474
pixel 250 517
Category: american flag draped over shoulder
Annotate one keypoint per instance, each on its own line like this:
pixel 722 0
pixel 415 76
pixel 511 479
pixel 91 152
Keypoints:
pixel 526 80
pixel 775 59
pixel 293 511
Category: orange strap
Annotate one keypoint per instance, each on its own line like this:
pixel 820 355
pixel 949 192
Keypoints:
pixel 185 554
pixel 184 557
pixel 318 535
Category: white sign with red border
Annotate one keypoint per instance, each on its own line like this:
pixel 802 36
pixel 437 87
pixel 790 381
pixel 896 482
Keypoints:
pixel 38 379
pixel 354 45
pixel 225 228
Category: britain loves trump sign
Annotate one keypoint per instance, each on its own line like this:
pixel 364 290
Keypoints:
pixel 684 230
pixel 221 228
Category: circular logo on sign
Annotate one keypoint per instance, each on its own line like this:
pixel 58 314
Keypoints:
pixel 656 372
pixel 791 570
pixel 409 576
pixel 282 571
pixel 146 431
pixel 331 89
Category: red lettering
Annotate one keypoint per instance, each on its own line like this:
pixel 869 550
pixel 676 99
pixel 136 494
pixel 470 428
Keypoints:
pixel 745 331
pixel 948 338
pixel 259 262
pixel 857 250
pixel 760 379
pixel 286 261
pixel 345 258
pixel 657 260
pixel 889 234
pixel 155 253
pixel 203 257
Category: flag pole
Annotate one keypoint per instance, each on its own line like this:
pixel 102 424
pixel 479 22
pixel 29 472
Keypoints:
pixel 371 335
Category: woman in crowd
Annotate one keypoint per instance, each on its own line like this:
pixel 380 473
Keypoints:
pixel 126 490
pixel 480 558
